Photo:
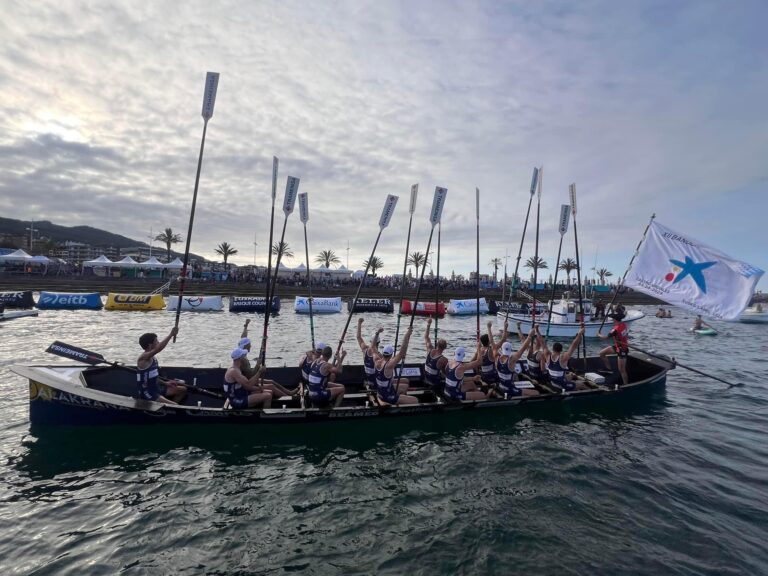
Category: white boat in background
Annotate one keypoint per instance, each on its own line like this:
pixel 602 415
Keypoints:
pixel 757 314
pixel 564 323
pixel 12 314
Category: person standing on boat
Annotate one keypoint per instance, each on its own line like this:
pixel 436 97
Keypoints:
pixel 620 335
pixel 151 386
pixel 243 392
pixel 389 388
pixel 557 363
pixel 505 367
pixel 456 388
pixel 370 354
pixel 434 365
pixel 321 390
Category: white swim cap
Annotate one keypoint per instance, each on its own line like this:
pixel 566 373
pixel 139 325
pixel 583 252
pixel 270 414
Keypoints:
pixel 243 342
pixel 459 354
pixel 320 347
pixel 238 353
pixel 388 350
pixel 506 348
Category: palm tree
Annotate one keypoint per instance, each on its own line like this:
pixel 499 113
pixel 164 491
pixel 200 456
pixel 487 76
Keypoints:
pixel 376 263
pixel 226 250
pixel 603 273
pixel 496 263
pixel 327 257
pixel 418 259
pixel 536 263
pixel 568 265
pixel 282 249
pixel 168 237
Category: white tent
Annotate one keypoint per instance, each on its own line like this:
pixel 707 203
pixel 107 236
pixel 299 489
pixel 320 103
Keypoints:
pixel 152 263
pixel 176 264
pixel 44 260
pixel 126 262
pixel 100 261
pixel 17 256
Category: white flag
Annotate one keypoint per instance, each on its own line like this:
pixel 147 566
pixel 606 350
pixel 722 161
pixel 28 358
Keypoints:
pixel 684 272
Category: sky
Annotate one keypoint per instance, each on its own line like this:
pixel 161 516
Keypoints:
pixel 648 107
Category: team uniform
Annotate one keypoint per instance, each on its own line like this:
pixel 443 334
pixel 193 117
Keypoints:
pixel 488 368
pixel 306 365
pixel 148 380
pixel 385 387
pixel 506 378
pixel 620 335
pixel 453 384
pixel 318 384
pixel 557 375
pixel 237 395
pixel 432 372
pixel 533 365
pixel 369 365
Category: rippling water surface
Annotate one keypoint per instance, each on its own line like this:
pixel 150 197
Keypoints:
pixel 674 483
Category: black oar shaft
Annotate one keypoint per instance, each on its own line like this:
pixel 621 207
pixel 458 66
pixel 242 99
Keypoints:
pixel 267 299
pixel 309 288
pixel 421 278
pixel 182 283
pixel 578 284
pixel 513 287
pixel 402 280
pixel 554 286
pixel 271 292
pixel 536 256
pixel 676 363
pixel 437 284
pixel 477 266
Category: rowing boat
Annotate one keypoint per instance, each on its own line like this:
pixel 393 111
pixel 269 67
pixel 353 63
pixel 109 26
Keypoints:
pixel 81 395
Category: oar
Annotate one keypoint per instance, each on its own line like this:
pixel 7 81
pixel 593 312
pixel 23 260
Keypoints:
pixel 304 214
pixel 94 358
pixel 267 301
pixel 386 216
pixel 676 363
pixel 209 99
pixel 534 185
pixel 437 286
pixel 572 192
pixel 536 254
pixel 289 200
pixel 477 262
pixel 565 213
pixel 411 210
pixel 438 201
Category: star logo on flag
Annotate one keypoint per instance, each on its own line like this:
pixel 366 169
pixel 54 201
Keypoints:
pixel 694 270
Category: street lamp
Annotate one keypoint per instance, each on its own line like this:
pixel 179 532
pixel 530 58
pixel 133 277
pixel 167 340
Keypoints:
pixel 31 229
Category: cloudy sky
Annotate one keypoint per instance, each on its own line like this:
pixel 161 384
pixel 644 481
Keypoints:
pixel 649 107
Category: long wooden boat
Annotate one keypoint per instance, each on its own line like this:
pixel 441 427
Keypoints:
pixel 80 395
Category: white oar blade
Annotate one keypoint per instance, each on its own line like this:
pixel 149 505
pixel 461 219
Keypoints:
pixel 275 162
pixel 304 207
pixel 437 205
pixel 291 190
pixel 209 99
pixel 534 180
pixel 565 217
pixel 414 194
pixel 389 209
pixel 541 180
pixel 572 192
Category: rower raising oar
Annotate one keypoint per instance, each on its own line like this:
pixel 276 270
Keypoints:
pixel 289 200
pixel 411 210
pixel 386 216
pixel 304 214
pixel 211 84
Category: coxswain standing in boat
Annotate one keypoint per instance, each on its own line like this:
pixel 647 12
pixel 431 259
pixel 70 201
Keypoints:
pixel 506 365
pixel 321 390
pixel 241 391
pixel 151 386
pixel 370 354
pixel 557 363
pixel 434 365
pixel 456 388
pixel 389 388
pixel 620 335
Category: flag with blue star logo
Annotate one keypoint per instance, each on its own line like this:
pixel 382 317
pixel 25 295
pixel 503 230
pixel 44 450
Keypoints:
pixel 684 272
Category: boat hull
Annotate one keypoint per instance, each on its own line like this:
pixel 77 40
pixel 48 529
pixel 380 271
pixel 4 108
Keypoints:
pixel 569 329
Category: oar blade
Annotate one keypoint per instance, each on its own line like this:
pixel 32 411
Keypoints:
pixel 75 353
pixel 534 180
pixel 275 163
pixel 389 209
pixel 209 99
pixel 304 207
pixel 572 193
pixel 414 194
pixel 565 217
pixel 291 191
pixel 438 201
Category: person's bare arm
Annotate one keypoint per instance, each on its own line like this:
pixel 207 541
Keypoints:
pixel 336 368
pixel 400 356
pixel 245 329
pixel 427 341
pixel 519 354
pixel 359 334
pixel 147 355
pixel 574 345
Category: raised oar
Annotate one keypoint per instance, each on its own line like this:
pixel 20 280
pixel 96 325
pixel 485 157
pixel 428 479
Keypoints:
pixel 437 285
pixel 477 267
pixel 565 213
pixel 289 200
pixel 267 301
pixel 94 358
pixel 438 201
pixel 209 99
pixel 534 185
pixel 676 363
pixel 572 192
pixel 536 254
pixel 411 209
pixel 304 214
pixel 386 216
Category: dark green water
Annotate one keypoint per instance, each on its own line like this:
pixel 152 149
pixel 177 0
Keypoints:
pixel 672 482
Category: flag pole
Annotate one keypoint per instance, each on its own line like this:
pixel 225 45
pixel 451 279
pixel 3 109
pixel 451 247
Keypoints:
pixel 411 209
pixel 209 100
pixel 629 267
pixel 565 211
pixel 304 215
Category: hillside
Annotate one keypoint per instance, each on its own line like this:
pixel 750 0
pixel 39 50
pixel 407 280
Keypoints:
pixel 85 234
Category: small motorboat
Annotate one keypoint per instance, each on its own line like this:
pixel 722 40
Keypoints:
pixel 757 314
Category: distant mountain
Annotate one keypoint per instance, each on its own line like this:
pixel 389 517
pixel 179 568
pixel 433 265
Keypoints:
pixel 85 234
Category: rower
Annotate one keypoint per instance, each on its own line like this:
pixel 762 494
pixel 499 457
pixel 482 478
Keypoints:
pixel 557 364
pixel 244 392
pixel 456 388
pixel 305 364
pixel 535 358
pixel 505 366
pixel 389 388
pixel 321 390
pixel 370 354
pixel 434 365
pixel 488 355
pixel 151 386
pixel 620 335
